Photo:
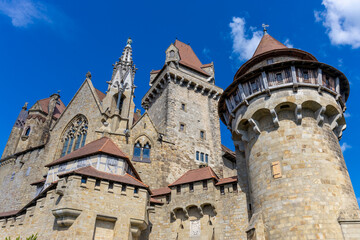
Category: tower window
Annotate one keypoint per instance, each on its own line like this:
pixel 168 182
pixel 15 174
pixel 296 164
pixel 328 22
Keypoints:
pixel 183 107
pixel 270 61
pixel 202 157
pixel 202 135
pixel 197 155
pixel 136 190
pixel 235 187
pixel 27 132
pixel 123 188
pixel 178 189
pixel 306 75
pixel 206 158
pixel 182 127
pixel 191 187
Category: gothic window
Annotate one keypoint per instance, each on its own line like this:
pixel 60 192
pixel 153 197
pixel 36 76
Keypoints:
pixel 137 152
pixel 146 152
pixel 172 53
pixel 75 135
pixel 142 153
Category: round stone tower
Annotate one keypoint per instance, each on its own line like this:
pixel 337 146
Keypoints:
pixel 285 111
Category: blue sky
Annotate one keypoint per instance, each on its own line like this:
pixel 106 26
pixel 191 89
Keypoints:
pixel 47 46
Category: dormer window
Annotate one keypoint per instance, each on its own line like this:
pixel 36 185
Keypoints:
pixel 270 61
pixel 172 54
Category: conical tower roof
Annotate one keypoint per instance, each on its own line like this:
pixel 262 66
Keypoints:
pixel 268 43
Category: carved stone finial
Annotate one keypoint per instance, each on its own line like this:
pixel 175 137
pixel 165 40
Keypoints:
pixel 88 75
pixel 129 41
pixel 25 105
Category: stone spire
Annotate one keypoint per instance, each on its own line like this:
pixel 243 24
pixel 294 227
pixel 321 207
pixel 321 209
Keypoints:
pixel 126 57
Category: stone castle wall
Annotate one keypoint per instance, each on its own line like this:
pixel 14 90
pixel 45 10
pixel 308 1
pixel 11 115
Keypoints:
pixel 220 216
pixel 74 211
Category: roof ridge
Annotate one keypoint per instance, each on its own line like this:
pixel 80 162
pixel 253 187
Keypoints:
pixel 104 144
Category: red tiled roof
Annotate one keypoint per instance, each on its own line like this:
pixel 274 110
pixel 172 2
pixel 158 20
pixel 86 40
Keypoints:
pixel 9 213
pixel 102 145
pixel 160 191
pixel 227 180
pixel 154 71
pixel 207 65
pixel 38 182
pixel 92 172
pixel 153 200
pixel 196 175
pixel 268 43
pixel 188 57
pixel 100 94
pixel 59 108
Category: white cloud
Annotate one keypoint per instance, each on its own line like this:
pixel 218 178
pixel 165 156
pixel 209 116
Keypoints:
pixel 342 21
pixel 24 12
pixel 347 115
pixel 244 45
pixel 288 43
pixel 206 52
pixel 345 146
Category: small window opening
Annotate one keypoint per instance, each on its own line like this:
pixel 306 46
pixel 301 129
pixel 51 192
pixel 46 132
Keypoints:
pixel 182 127
pixel 97 183
pixel 27 133
pixel 183 107
pixel 222 190
pixel 197 155
pixel 202 157
pixel 136 190
pixel 123 188
pixel 178 189
pixel 191 187
pixel 270 61
pixel 172 53
pixel 306 75
pixel 83 180
pixel 111 185
pixel 206 158
pixel 202 135
pixel 168 198
pixel 235 187
pixel 205 185
pixel 279 77
pixel 12 176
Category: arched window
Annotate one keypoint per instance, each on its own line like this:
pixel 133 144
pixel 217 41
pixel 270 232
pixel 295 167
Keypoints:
pixel 75 135
pixel 141 152
pixel 146 153
pixel 137 152
pixel 27 132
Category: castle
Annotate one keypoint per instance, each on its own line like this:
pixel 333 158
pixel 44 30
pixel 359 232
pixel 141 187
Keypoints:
pixel 99 169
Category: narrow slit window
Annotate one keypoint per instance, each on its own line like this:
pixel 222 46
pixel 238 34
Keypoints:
pixel 182 127
pixel 178 189
pixel 183 107
pixel 222 190
pixel 70 145
pixel 202 135
pixel 206 158
pixel 205 185
pixel 111 185
pixel 123 188
pixel 197 155
pixel 191 187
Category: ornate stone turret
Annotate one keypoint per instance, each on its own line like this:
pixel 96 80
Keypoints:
pixel 118 103
pixel 285 111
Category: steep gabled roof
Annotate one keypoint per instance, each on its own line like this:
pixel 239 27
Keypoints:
pixel 102 145
pixel 100 94
pixel 188 57
pixel 223 181
pixel 195 176
pixel 89 171
pixel 268 43
pixel 59 107
pixel 228 153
